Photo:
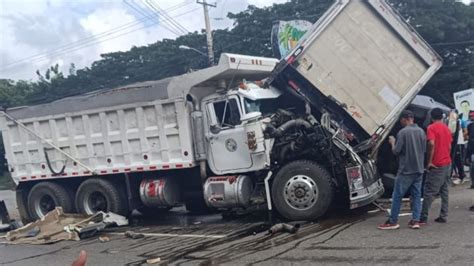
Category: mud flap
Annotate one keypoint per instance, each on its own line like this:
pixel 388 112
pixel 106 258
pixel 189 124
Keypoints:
pixel 21 199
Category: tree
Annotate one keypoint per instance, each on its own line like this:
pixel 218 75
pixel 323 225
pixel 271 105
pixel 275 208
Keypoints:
pixel 446 24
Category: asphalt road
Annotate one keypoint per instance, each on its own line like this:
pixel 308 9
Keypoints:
pixel 347 237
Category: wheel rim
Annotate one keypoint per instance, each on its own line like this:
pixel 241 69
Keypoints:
pixel 301 192
pixel 44 205
pixel 95 202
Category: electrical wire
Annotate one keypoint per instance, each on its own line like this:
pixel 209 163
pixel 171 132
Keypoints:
pixel 144 12
pixel 163 13
pixel 68 49
pixel 177 30
pixel 95 37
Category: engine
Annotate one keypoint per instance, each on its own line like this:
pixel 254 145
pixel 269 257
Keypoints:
pixel 296 136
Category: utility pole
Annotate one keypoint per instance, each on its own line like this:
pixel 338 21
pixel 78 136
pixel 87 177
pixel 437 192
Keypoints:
pixel 210 51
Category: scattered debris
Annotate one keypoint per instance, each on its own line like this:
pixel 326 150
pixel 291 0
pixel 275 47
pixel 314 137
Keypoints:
pixel 104 239
pixel 282 227
pixel 133 235
pixel 7 224
pixel 112 218
pixel 57 226
pixel 153 261
pixel 113 251
pixel 33 232
pixel 198 222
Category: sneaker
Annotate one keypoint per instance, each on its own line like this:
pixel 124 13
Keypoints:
pixel 388 226
pixel 414 224
pixel 422 222
pixel 456 181
pixel 441 220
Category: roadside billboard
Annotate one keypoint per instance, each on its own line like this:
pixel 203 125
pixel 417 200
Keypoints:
pixel 464 102
pixel 286 34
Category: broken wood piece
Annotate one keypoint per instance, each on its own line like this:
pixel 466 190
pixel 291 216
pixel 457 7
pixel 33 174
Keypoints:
pixel 153 261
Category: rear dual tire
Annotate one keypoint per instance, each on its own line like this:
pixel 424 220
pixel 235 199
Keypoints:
pixel 45 197
pixel 95 195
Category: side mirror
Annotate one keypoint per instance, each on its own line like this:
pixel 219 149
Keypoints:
pixel 215 129
pixel 251 116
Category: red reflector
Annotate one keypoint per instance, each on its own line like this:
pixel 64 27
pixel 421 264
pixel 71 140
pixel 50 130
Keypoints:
pixel 293 85
pixel 353 172
pixel 103 172
pixel 166 166
pixel 179 165
pixel 290 60
pixel 127 169
pixel 232 60
pixel 152 167
pixel 115 171
pixel 151 189
pixel 139 168
pixel 43 176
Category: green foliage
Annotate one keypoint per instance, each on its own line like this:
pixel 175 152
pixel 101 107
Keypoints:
pixel 449 27
pixel 446 24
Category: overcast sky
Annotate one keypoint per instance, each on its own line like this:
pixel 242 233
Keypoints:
pixel 36 34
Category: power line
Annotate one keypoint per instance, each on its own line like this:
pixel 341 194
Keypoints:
pixel 155 7
pixel 93 38
pixel 42 57
pixel 159 17
pixel 145 13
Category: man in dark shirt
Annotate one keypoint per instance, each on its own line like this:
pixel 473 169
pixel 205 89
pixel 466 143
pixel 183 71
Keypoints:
pixel 410 146
pixel 470 144
pixel 439 167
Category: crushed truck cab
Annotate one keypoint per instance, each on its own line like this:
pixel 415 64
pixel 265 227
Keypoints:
pixel 295 135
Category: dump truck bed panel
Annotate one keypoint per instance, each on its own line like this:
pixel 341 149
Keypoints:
pixel 126 138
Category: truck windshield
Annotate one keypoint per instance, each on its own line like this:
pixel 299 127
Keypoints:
pixel 251 106
pixel 264 106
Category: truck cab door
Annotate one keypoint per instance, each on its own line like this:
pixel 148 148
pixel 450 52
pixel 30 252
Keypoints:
pixel 227 137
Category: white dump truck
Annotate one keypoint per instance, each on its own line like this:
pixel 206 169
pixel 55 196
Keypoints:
pixel 294 136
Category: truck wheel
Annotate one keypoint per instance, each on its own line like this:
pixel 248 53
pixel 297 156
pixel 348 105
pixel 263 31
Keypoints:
pixel 45 197
pixel 95 195
pixel 302 190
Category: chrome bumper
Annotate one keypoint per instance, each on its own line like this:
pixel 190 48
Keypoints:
pixel 365 196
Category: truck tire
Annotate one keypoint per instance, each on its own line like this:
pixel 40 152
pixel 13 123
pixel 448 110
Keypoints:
pixel 22 205
pixel 96 194
pixel 45 197
pixel 302 190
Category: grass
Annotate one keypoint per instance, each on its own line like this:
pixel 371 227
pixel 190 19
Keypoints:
pixel 6 182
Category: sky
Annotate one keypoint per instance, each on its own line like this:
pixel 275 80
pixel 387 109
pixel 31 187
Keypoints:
pixel 35 34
